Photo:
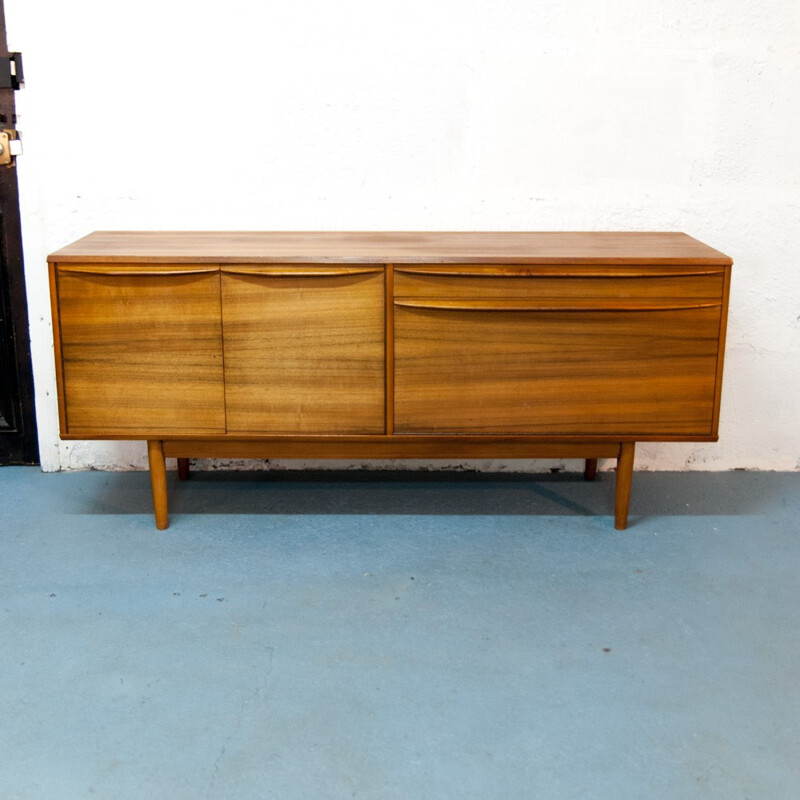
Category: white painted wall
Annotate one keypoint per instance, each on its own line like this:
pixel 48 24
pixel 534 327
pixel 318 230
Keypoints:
pixel 430 114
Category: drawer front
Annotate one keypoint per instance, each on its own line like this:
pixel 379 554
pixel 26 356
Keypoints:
pixel 612 288
pixel 140 350
pixel 304 349
pixel 644 373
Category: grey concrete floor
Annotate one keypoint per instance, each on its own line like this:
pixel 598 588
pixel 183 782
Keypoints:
pixel 392 637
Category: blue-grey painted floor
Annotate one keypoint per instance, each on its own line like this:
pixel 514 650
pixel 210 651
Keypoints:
pixel 398 638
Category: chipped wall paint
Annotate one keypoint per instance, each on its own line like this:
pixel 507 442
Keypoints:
pixel 430 114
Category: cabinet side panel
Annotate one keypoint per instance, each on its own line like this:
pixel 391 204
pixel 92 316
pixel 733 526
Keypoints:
pixel 304 354
pixel 59 364
pixel 723 328
pixel 141 354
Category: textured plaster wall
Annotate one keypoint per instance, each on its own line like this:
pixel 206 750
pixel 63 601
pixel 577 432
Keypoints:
pixel 430 114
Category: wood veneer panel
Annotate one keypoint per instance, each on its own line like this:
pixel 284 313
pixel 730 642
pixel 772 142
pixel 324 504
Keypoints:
pixel 404 247
pixel 304 354
pixel 350 447
pixel 628 373
pixel 140 354
pixel 567 290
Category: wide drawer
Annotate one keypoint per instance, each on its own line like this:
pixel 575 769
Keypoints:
pixel 494 287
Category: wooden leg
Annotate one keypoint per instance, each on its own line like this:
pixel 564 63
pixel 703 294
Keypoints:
pixel 590 470
pixel 158 482
pixel 624 479
pixel 183 469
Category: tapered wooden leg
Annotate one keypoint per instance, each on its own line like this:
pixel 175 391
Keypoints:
pixel 624 479
pixel 158 482
pixel 590 470
pixel 183 469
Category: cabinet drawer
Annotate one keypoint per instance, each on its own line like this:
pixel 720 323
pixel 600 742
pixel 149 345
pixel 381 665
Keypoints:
pixel 557 287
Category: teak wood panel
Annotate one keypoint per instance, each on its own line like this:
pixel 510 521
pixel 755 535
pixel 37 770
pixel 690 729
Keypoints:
pixel 579 287
pixel 304 351
pixel 140 353
pixel 614 373
pixel 392 247
pixel 360 447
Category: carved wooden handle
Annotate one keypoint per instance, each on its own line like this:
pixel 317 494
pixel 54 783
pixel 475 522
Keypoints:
pixel 107 271
pixel 495 271
pixel 299 272
pixel 471 305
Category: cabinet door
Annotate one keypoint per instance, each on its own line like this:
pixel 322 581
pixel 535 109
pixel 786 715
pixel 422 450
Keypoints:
pixel 598 360
pixel 141 351
pixel 304 349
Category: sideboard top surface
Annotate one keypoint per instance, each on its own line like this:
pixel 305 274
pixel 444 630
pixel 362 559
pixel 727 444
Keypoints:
pixel 401 247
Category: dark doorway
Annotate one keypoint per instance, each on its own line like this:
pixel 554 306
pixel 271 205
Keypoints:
pixel 18 444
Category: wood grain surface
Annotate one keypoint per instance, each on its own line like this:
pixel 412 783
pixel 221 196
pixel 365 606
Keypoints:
pixel 304 354
pixel 602 290
pixel 140 354
pixel 400 247
pixel 607 373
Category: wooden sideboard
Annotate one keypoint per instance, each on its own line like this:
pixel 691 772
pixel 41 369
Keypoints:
pixel 389 345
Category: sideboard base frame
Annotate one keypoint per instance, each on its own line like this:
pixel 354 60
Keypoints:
pixel 394 447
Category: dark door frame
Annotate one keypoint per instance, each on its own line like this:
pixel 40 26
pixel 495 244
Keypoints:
pixel 18 437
